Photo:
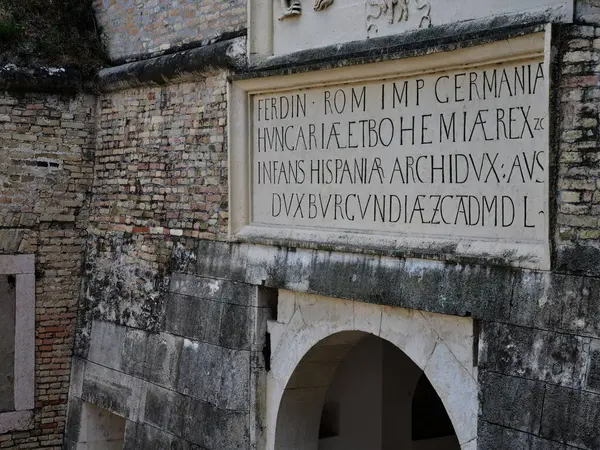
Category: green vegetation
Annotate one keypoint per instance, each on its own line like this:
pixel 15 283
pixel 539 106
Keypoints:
pixel 59 33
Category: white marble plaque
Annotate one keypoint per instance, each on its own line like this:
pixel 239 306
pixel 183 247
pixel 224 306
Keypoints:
pixel 460 154
pixel 444 155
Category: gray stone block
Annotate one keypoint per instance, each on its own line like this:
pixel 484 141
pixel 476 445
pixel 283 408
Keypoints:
pixel 572 417
pixel 209 321
pixel 215 375
pixel 543 300
pixel 165 409
pixel 162 359
pixel 68 444
pixel 492 437
pixel 511 402
pixel 112 390
pixel 215 428
pixel 73 419
pixel 146 437
pixel 134 352
pixel 10 240
pixel 220 290
pixel 235 327
pixel 556 302
pixel 178 309
pixel 534 354
pixel 106 344
pixel 593 376
pixel 197 421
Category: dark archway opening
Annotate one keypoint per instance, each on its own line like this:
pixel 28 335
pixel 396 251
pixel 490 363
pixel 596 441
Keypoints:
pixel 379 399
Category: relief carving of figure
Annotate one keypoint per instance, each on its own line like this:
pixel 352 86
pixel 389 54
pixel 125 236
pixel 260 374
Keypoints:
pixel 397 11
pixel 292 8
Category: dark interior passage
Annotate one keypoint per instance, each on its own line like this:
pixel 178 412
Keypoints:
pixel 380 399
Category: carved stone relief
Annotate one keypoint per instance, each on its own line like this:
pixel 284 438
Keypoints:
pixel 292 8
pixel 396 11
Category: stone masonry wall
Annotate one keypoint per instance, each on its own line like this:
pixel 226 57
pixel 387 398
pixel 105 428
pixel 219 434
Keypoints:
pixel 46 145
pixel 188 383
pixel 164 294
pixel 138 28
pixel 160 179
pixel 183 344
pixel 540 365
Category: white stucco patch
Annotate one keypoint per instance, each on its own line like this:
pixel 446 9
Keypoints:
pixel 442 346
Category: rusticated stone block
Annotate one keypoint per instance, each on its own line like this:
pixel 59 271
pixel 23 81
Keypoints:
pixel 571 417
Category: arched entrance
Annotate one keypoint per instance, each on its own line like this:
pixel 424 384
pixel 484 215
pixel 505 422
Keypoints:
pixel 356 391
pixel 346 375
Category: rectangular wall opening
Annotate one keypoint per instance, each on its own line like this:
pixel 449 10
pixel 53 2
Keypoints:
pixel 8 296
pixel 100 429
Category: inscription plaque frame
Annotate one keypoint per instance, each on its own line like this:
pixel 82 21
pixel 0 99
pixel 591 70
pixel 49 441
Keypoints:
pixel 242 228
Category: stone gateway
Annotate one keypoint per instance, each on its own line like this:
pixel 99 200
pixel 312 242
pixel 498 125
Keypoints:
pixel 281 225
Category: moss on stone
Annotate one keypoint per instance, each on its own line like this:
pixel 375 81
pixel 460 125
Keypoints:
pixel 59 33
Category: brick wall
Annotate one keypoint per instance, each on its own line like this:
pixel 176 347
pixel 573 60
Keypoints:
pixel 578 218
pixel 160 185
pixel 45 173
pixel 138 28
pixel 160 180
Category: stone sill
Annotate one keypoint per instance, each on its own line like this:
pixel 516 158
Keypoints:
pixel 16 421
pixel 526 255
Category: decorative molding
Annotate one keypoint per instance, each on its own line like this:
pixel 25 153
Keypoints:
pixel 396 11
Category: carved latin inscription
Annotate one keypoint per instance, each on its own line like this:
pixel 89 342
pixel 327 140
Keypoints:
pixel 460 155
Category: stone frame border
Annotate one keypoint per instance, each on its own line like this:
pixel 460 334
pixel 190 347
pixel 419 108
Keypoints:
pixel 23 267
pixel 241 229
pixel 442 346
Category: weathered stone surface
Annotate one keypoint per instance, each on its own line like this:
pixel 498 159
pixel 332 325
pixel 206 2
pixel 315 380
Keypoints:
pixel 166 409
pixel 134 352
pixel 106 344
pixel 215 428
pixel 493 437
pixel 216 375
pixel 533 354
pixel 502 401
pixel 213 322
pixel 217 290
pixel 195 420
pixel 544 300
pixel 593 376
pixel 112 390
pixel 186 65
pixel 143 436
pixel 572 417
pixel 132 33
pixel 10 240
pixel 162 360
pixel 74 420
